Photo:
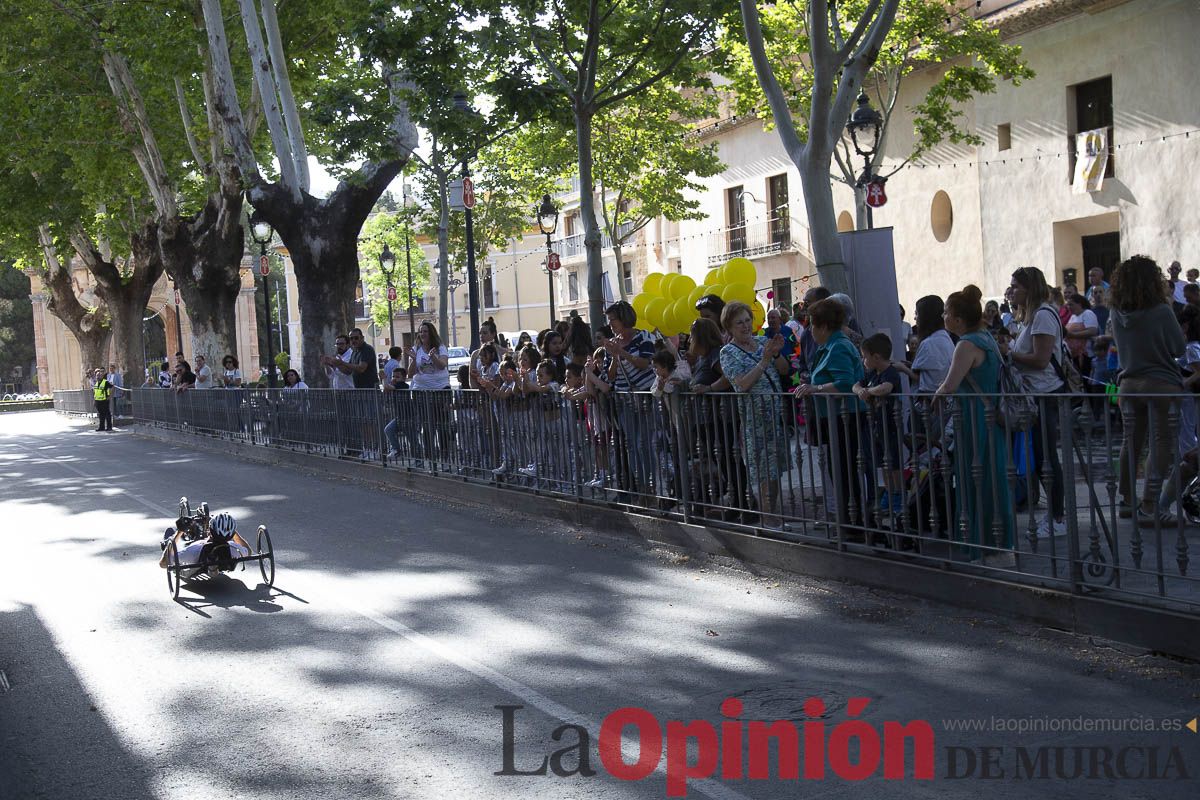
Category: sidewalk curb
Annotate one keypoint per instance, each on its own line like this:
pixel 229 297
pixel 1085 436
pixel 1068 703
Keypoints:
pixel 1152 629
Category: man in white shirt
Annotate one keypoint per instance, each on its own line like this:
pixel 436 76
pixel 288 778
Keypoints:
pixel 337 378
pixel 203 373
pixel 1176 285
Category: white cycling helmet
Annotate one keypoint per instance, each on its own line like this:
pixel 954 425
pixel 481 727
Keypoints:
pixel 224 524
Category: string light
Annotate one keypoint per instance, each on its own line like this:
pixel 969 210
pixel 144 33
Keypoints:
pixel 1157 139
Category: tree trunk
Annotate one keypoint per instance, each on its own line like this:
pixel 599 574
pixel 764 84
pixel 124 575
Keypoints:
pixel 127 296
pixel 822 219
pixel 203 256
pixel 616 248
pixel 443 265
pixel 90 328
pixel 591 230
pixel 860 209
pixel 322 240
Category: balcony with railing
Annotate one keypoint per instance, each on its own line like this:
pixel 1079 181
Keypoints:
pixel 572 246
pixel 749 239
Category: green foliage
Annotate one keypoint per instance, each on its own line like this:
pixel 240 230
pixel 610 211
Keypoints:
pixel 647 158
pixel 16 324
pixel 967 57
pixel 282 361
pixel 389 227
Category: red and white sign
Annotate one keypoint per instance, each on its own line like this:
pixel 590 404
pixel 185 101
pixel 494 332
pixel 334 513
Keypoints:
pixel 553 262
pixel 468 193
pixel 876 197
pixel 178 297
pixel 264 266
pixel 391 293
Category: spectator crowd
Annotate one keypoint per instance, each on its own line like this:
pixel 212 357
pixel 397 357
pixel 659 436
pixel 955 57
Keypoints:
pixel 986 395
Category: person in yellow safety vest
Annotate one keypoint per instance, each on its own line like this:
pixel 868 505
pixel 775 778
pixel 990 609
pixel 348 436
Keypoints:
pixel 102 389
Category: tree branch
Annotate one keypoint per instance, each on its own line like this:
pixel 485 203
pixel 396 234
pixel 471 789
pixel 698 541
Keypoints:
pixel 848 45
pixel 856 68
pixel 132 111
pixel 186 116
pixel 767 79
pixel 548 62
pixel 291 116
pixel 261 67
pixel 225 92
pixel 641 54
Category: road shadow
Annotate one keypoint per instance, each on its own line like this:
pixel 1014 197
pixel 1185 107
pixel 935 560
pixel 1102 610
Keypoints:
pixel 54 741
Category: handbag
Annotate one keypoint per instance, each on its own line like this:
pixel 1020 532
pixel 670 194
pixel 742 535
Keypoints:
pixel 1064 365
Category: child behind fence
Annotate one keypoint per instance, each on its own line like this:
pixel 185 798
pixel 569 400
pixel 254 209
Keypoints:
pixel 594 393
pixel 504 397
pixel 876 389
pixel 546 419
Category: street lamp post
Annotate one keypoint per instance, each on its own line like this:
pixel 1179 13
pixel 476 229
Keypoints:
pixel 261 232
pixel 452 284
pixel 864 128
pixel 461 105
pixel 387 264
pixel 547 217
pixel 178 322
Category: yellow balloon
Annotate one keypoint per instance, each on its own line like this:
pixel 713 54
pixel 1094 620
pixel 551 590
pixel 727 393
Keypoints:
pixel 741 292
pixel 682 313
pixel 654 311
pixel 683 286
pixel 713 276
pixel 760 314
pixel 695 295
pixel 652 282
pixel 739 270
pixel 718 289
pixel 639 303
pixel 666 287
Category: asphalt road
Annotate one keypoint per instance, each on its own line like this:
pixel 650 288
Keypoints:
pixel 399 622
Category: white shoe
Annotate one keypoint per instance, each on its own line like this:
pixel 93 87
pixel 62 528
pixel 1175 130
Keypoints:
pixel 596 482
pixel 529 471
pixel 500 470
pixel 1044 527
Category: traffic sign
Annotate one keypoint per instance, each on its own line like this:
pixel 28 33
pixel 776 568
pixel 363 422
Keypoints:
pixel 553 262
pixel 391 293
pixel 264 266
pixel 468 193
pixel 178 297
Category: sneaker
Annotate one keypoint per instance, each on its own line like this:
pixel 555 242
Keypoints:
pixel 529 471
pixel 596 482
pixel 1044 528
pixel 1163 519
pixel 500 470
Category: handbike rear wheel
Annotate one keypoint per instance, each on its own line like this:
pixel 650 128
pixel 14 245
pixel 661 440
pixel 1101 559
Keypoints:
pixel 266 562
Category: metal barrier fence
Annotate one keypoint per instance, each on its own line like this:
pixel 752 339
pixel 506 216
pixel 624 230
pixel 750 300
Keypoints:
pixel 964 484
pixel 80 401
pixel 74 401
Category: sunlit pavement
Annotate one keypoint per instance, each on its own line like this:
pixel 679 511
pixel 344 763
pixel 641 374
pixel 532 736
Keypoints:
pixel 398 622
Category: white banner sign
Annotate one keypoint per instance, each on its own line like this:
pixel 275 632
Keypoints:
pixel 1091 160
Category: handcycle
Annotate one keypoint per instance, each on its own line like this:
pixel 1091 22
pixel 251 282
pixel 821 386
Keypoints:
pixel 211 545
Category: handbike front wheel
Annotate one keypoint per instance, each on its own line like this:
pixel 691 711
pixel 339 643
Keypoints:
pixel 173 579
pixel 266 561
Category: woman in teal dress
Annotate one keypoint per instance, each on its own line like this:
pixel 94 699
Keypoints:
pixel 981 446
